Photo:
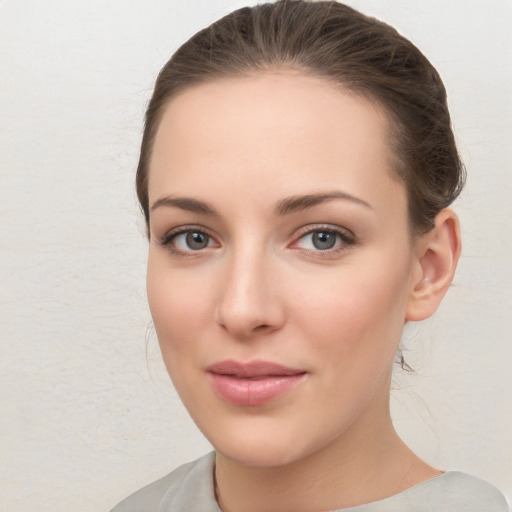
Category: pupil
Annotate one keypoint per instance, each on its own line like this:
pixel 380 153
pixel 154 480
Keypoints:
pixel 197 241
pixel 324 240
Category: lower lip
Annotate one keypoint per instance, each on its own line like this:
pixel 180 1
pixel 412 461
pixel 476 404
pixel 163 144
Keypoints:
pixel 252 392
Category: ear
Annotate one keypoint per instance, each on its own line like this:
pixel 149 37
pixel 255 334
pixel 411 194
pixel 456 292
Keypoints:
pixel 437 254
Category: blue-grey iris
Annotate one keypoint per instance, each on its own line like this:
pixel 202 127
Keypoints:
pixel 323 240
pixel 197 241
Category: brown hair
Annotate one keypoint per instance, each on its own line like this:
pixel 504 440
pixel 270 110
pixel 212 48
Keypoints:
pixel 335 42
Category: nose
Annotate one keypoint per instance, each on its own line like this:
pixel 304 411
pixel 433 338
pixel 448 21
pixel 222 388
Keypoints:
pixel 250 300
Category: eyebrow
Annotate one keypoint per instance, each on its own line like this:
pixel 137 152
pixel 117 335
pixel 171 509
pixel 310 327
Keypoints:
pixel 303 202
pixel 185 203
pixel 283 207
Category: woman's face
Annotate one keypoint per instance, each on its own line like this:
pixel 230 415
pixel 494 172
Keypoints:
pixel 280 263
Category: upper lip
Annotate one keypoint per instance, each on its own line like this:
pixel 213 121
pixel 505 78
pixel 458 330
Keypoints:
pixel 252 369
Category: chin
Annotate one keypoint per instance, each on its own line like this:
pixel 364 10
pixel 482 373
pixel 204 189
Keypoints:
pixel 259 444
pixel 259 455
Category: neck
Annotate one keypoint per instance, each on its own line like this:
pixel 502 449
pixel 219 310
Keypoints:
pixel 367 463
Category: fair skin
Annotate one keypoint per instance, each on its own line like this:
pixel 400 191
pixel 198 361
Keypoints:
pixel 279 233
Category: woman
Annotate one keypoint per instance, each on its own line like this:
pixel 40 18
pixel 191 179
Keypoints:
pixel 295 172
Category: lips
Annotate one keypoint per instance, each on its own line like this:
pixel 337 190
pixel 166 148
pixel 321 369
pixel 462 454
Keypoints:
pixel 254 383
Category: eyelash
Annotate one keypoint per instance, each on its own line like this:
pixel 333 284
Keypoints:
pixel 169 237
pixel 346 239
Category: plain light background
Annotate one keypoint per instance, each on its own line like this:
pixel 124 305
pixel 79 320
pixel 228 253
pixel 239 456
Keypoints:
pixel 87 413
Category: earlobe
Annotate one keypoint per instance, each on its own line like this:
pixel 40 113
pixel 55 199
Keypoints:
pixel 438 254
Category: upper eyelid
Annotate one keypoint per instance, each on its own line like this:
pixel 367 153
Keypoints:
pixel 311 228
pixel 348 240
pixel 179 230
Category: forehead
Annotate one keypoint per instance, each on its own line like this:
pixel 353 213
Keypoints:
pixel 271 131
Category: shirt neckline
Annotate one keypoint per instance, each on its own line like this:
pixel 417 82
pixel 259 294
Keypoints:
pixel 355 508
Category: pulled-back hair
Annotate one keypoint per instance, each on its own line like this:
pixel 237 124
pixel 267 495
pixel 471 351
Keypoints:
pixel 335 42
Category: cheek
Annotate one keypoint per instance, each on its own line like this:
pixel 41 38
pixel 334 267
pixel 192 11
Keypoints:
pixel 353 324
pixel 357 313
pixel 180 307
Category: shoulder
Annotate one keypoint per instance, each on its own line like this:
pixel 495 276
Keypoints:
pixel 452 491
pixel 469 493
pixel 189 487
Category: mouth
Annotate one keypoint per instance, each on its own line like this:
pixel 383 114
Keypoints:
pixel 254 383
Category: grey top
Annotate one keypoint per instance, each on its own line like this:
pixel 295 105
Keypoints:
pixel 190 488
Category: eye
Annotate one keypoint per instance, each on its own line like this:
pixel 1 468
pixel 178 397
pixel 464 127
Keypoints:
pixel 326 240
pixel 187 240
pixel 321 240
pixel 191 240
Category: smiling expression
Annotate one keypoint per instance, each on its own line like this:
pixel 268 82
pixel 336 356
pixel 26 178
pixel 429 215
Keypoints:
pixel 280 262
